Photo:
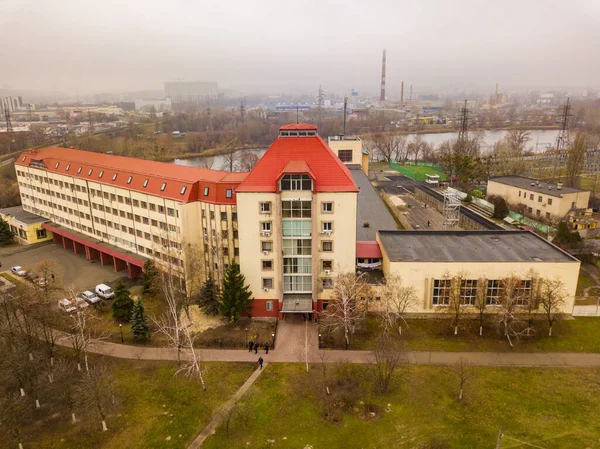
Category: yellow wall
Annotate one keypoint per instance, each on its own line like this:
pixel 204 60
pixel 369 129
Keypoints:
pixel 354 144
pixel 30 231
pixel 558 209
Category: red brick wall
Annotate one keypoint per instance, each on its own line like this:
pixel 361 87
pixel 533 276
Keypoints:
pixel 259 308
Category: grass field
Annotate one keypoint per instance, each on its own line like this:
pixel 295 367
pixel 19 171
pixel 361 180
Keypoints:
pixel 436 334
pixel 584 281
pixel 418 172
pixel 155 405
pixel 286 408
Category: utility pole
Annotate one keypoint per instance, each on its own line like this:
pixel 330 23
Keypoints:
pixel 463 133
pixel 297 113
pixel 320 103
pixel 402 95
pixel 345 110
pixel 562 140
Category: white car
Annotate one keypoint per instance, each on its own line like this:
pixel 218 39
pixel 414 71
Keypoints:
pixel 18 270
pixel 80 303
pixel 104 291
pixel 90 297
pixel 66 306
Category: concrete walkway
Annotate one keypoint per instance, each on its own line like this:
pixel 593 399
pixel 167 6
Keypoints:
pixel 548 359
pixel 221 413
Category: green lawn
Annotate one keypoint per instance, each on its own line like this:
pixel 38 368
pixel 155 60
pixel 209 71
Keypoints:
pixel 585 280
pixel 436 334
pixel 286 408
pixel 155 405
pixel 419 171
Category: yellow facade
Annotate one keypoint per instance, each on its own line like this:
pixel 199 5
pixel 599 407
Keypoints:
pixel 352 151
pixel 27 233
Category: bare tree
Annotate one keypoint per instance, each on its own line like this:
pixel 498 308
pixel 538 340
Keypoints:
pixel 96 393
pixel 516 139
pixel 511 299
pixel 248 160
pixel 389 355
pixel 464 372
pixel 191 368
pixel 552 297
pixel 207 162
pixel 389 145
pixel 481 302
pixel 169 324
pixel 457 296
pixel 396 299
pixel 347 310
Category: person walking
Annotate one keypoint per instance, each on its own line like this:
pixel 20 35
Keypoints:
pixel 260 362
pixel 255 348
pixel 250 346
pixel 266 348
pixel 428 223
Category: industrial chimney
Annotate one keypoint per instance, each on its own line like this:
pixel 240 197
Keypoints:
pixel 382 95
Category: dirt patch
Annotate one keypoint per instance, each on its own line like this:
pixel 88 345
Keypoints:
pixel 199 322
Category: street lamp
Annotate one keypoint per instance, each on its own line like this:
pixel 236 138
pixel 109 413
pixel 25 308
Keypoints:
pixel 273 337
pixel 121 329
pixel 319 341
pixel 246 336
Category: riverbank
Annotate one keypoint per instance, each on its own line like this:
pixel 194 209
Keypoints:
pixel 209 153
pixel 443 129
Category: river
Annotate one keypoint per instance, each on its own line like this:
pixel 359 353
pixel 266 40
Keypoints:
pixel 537 136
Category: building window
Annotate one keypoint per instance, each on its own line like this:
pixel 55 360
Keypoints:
pixel 90 172
pixel 468 292
pixel 145 183
pixel 549 201
pixel 234 216
pixel 206 190
pixel 523 293
pixel 327 265
pixel 327 226
pixel 183 189
pixel 327 246
pixel 129 179
pixel 56 166
pixel 223 216
pixel 266 246
pixel 530 210
pixel 229 193
pixel 296 182
pixel 265 208
pixel 345 155
pixel 327 207
pixel 161 209
pixel 267 265
pixel 212 214
pixel 171 211
pixel 539 198
pixel 41 233
pixel 327 283
pixel 531 196
pixel 153 207
pixel 441 292
pixel 538 212
pixel 494 289
pixel 296 209
pixel 267 282
pixel 269 305
pixel 163 186
pixel 68 167
pixel 548 215
pixel 519 194
pixel 265 226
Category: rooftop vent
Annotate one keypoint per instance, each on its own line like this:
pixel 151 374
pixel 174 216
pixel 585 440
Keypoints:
pixel 559 186
pixel 538 259
pixel 533 183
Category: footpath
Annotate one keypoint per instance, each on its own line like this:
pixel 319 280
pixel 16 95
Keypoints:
pixel 536 359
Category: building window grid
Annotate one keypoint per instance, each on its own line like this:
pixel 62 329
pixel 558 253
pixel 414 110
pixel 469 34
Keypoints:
pixel 296 182
pixel 468 292
pixel 441 292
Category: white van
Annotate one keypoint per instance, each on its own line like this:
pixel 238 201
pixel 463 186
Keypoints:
pixel 104 291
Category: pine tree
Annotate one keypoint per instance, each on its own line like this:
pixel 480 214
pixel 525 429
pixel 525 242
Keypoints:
pixel 149 277
pixel 139 322
pixel 6 235
pixel 123 304
pixel 208 300
pixel 235 296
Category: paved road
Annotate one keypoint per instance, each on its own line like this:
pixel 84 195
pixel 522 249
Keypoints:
pixel 331 356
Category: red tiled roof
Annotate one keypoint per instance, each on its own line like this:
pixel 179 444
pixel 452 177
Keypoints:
pixel 194 179
pixel 329 173
pixel 296 167
pixel 298 126
pixel 368 250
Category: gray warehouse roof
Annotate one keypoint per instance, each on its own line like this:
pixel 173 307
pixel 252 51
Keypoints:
pixel 22 215
pixel 543 187
pixel 469 246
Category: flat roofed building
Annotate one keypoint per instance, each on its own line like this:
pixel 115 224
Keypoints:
pixel 26 227
pixel 541 199
pixel 191 91
pixel 425 260
pixel 350 151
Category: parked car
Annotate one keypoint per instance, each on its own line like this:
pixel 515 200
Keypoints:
pixel 18 270
pixel 31 276
pixel 66 306
pixel 90 297
pixel 41 282
pixel 80 303
pixel 104 291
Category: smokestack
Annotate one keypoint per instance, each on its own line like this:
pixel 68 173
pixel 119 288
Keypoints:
pixel 382 95
pixel 402 95
pixel 410 97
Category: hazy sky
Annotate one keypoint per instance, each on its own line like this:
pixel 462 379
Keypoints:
pixel 85 46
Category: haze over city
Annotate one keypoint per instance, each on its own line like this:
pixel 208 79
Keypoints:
pixel 272 46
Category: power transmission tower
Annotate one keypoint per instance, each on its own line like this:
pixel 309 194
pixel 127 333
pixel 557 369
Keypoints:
pixel 29 113
pixel 209 119
pixel 9 128
pixel 242 111
pixel 562 140
pixel 91 125
pixel 463 125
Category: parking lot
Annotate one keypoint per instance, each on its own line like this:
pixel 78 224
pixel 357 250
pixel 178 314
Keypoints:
pixel 74 270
